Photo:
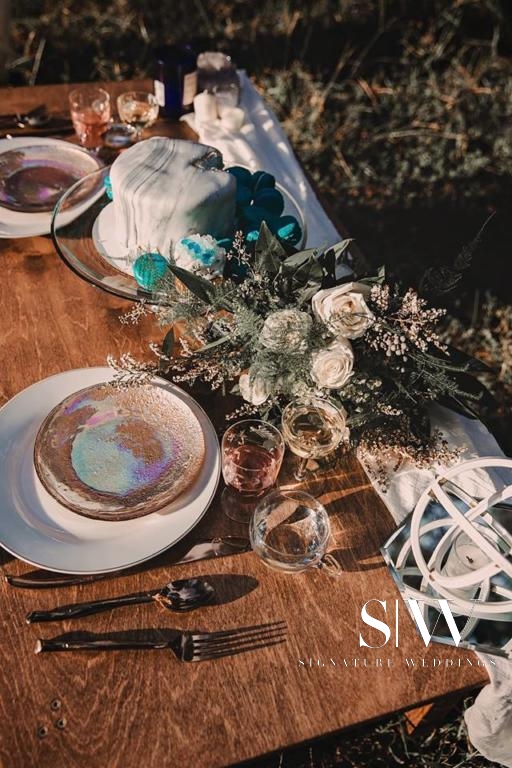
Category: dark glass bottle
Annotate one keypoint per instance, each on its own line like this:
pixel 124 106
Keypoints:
pixel 175 79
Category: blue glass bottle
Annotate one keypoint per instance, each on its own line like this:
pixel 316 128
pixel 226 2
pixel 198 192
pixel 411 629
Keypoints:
pixel 175 79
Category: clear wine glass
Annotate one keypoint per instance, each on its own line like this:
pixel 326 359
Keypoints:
pixel 139 109
pixel 252 453
pixel 312 428
pixel 290 531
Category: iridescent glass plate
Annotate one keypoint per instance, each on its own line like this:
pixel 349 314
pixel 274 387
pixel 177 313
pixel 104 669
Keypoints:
pixel 37 528
pixel 115 453
pixel 34 177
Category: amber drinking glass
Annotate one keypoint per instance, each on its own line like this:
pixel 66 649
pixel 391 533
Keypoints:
pixel 90 114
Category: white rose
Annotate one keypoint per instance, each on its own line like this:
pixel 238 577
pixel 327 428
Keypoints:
pixel 343 309
pixel 332 367
pixel 286 329
pixel 254 389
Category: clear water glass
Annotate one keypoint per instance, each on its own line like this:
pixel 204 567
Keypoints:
pixel 290 530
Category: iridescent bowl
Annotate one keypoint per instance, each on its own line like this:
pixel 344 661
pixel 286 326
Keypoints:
pixel 34 177
pixel 85 239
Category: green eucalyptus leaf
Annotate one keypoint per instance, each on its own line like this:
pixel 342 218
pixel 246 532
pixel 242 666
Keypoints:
pixel 199 286
pixel 168 343
pixel 269 252
pixel 212 344
pixel 377 279
pixel 300 258
pixel 339 248
pixel 328 262
pixel 458 357
pixel 304 295
pixel 167 349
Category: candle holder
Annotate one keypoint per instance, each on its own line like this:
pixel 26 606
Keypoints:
pixel 457 546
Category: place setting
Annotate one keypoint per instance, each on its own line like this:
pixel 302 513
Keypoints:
pixel 36 169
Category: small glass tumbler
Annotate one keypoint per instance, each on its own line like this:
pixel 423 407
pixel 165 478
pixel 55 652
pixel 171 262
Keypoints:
pixel 90 115
pixel 312 428
pixel 290 531
pixel 252 453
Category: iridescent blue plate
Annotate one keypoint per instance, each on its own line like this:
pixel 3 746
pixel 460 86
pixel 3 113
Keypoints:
pixel 113 454
pixel 34 177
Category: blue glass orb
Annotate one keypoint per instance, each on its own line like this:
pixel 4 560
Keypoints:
pixel 270 199
pixel 262 180
pixel 242 175
pixel 148 269
pixel 287 228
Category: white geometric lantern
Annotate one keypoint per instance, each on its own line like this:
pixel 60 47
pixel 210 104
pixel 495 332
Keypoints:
pixel 457 545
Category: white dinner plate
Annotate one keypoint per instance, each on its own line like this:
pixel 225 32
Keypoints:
pixel 39 530
pixel 17 224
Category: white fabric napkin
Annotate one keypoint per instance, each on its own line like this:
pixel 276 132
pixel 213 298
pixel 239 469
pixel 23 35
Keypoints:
pixel 261 144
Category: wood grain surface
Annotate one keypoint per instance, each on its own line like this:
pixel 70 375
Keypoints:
pixel 126 709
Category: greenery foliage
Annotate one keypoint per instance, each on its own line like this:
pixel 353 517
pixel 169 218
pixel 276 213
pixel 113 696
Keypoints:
pixel 272 328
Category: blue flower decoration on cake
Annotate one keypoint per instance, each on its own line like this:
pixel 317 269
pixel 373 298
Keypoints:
pixel 200 253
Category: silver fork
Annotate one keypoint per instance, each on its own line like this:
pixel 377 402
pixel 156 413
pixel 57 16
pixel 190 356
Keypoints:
pixel 186 646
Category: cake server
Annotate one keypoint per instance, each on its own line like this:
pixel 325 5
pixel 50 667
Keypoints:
pixel 204 549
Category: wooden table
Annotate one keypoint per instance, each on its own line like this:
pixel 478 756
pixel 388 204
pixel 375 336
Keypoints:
pixel 123 710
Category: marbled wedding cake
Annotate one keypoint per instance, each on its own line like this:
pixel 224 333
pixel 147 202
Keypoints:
pixel 166 189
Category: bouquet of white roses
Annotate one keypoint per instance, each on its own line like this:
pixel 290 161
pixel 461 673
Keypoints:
pixel 283 326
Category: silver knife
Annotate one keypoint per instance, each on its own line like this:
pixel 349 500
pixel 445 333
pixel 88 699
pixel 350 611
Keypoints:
pixel 205 549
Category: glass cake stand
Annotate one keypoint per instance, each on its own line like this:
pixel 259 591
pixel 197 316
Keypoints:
pixel 85 238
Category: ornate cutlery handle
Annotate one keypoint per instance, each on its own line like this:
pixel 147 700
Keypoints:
pixel 42 646
pixel 87 609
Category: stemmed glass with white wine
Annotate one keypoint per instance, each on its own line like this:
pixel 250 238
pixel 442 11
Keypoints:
pixel 139 109
pixel 312 428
